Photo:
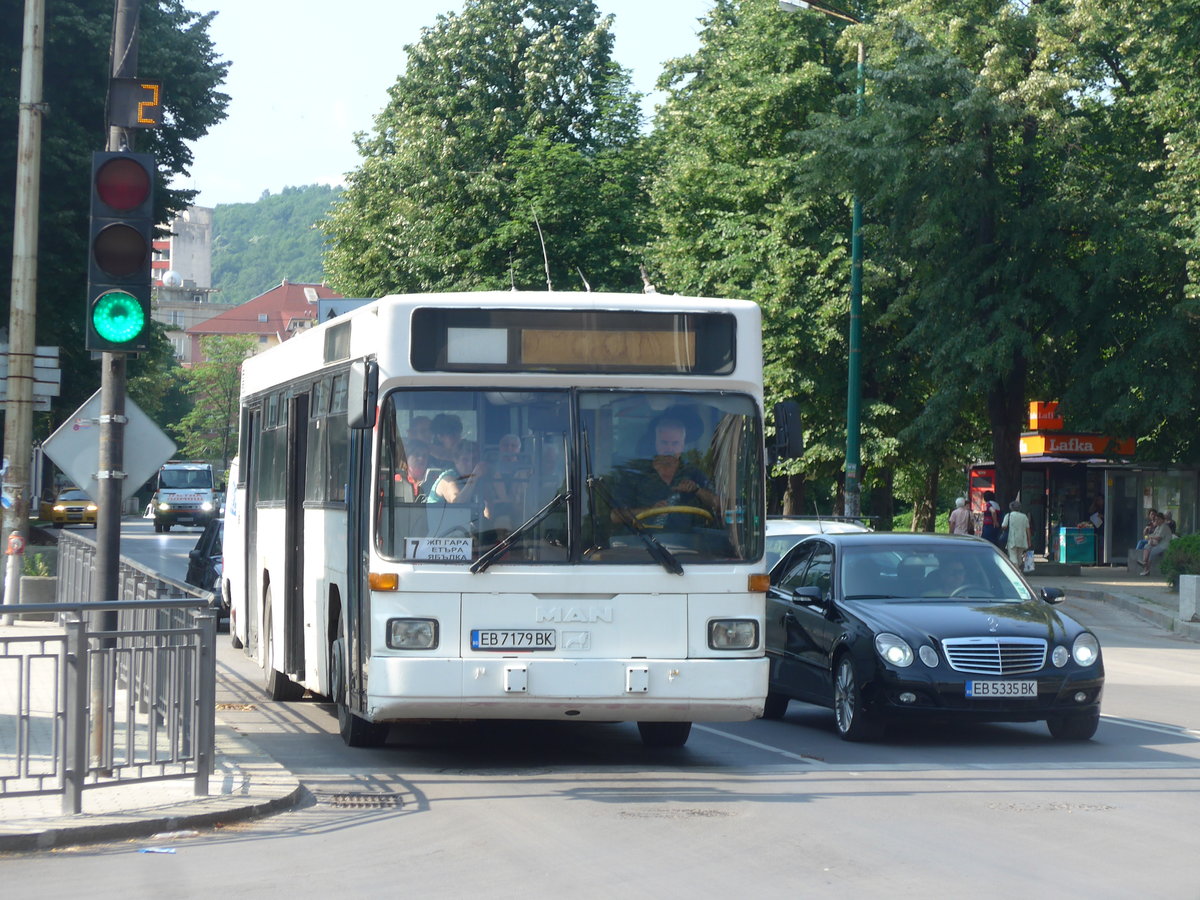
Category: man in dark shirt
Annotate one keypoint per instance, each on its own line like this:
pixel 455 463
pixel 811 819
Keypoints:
pixel 665 481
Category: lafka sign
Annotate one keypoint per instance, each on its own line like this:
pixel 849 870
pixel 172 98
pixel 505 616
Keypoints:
pixel 1085 445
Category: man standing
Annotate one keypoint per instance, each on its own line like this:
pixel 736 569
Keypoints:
pixel 1017 524
pixel 960 518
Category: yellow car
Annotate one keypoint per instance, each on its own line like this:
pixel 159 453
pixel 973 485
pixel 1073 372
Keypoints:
pixel 72 507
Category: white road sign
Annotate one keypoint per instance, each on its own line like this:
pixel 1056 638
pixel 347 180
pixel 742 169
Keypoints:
pixel 75 447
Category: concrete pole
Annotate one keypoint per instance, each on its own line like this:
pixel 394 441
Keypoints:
pixel 22 318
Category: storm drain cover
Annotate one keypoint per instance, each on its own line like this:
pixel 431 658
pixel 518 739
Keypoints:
pixel 361 800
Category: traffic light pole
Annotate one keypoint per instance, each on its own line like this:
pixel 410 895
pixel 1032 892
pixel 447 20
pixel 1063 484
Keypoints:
pixel 110 473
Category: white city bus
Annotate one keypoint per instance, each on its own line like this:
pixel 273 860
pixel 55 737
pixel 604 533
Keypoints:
pixel 441 512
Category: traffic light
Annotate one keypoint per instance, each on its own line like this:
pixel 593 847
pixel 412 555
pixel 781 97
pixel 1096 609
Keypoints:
pixel 119 252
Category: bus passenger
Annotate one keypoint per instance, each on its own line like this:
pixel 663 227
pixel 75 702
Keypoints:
pixel 460 483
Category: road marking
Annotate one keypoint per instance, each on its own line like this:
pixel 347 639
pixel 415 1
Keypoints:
pixel 1159 727
pixel 807 760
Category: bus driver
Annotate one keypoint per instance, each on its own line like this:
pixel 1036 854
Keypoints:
pixel 665 480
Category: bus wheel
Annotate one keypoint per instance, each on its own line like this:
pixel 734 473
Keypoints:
pixel 355 730
pixel 277 685
pixel 664 734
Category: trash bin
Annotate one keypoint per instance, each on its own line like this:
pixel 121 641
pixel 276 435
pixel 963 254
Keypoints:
pixel 1077 545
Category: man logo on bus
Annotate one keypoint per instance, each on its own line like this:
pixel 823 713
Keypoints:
pixel 575 614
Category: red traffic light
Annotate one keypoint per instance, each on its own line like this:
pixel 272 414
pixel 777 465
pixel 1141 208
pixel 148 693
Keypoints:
pixel 122 183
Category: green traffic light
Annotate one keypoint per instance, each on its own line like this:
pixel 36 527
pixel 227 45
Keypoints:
pixel 118 317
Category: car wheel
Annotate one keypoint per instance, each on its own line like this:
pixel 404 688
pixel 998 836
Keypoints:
pixel 1074 726
pixel 853 722
pixel 664 734
pixel 355 730
pixel 775 706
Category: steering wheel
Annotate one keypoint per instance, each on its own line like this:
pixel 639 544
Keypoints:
pixel 963 589
pixel 664 510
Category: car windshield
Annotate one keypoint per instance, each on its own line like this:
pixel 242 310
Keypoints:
pixel 73 495
pixel 898 570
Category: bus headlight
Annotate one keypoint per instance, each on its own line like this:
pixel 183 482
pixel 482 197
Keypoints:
pixel 206 506
pixel 412 634
pixel 164 506
pixel 732 634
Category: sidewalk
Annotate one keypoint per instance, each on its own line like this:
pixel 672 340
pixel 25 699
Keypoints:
pixel 247 783
pixel 1151 598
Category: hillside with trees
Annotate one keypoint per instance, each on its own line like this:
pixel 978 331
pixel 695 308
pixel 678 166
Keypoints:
pixel 257 245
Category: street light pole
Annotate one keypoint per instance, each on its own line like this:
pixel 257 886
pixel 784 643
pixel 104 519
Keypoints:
pixel 853 488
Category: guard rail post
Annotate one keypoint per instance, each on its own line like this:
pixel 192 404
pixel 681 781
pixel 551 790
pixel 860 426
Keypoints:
pixel 206 705
pixel 75 727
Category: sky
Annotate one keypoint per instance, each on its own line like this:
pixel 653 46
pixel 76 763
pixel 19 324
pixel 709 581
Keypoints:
pixel 306 75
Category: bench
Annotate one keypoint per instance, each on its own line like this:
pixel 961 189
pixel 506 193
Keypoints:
pixel 1134 563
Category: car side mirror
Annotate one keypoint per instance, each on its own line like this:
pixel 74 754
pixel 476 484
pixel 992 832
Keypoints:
pixel 808 594
pixel 1053 596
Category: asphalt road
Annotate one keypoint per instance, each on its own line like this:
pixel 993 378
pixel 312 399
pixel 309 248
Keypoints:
pixel 763 808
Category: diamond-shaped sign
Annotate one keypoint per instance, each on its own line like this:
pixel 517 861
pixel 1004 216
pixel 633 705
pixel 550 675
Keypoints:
pixel 75 447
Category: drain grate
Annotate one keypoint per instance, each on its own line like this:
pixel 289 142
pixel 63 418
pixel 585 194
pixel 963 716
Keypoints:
pixel 363 800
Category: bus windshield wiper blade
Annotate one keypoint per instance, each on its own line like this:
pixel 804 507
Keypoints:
pixel 498 549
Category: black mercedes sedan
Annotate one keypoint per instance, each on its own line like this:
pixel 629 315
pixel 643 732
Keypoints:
pixel 885 626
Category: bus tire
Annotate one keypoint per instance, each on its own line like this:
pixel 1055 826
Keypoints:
pixel 664 734
pixel 277 685
pixel 354 729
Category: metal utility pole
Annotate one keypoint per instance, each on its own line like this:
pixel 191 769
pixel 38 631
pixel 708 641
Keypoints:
pixel 110 472
pixel 22 317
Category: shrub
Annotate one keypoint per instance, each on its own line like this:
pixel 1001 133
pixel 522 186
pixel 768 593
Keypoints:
pixel 35 564
pixel 1182 557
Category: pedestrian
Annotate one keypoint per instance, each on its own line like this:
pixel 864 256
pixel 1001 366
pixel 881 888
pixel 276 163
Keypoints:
pixel 1151 515
pixel 991 518
pixel 1096 517
pixel 1016 523
pixel 1156 545
pixel 960 517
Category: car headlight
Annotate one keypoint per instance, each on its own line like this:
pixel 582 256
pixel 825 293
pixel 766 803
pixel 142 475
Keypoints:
pixel 928 656
pixel 58 507
pixel 92 507
pixel 412 634
pixel 894 650
pixel 1060 656
pixel 732 634
pixel 1086 649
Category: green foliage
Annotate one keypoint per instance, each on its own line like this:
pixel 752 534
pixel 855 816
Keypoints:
pixel 209 431
pixel 511 126
pixel 37 566
pixel 257 245
pixel 175 47
pixel 1182 557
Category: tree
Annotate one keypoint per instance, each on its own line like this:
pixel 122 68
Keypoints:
pixel 175 48
pixel 209 431
pixel 512 117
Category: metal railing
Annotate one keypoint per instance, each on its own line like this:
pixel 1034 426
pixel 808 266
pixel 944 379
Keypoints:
pixel 109 693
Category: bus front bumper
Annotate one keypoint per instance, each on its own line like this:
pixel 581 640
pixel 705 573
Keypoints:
pixel 596 690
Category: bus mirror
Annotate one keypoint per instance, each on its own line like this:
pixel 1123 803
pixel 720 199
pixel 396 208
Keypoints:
pixel 789 433
pixel 363 393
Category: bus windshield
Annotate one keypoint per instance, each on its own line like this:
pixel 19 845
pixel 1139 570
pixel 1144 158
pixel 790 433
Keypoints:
pixel 461 470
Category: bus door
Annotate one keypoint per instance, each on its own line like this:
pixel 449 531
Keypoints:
pixel 252 429
pixel 293 573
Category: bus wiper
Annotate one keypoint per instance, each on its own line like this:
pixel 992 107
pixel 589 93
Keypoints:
pixel 500 547
pixel 661 554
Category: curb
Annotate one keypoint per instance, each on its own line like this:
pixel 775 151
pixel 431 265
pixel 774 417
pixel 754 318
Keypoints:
pixel 1144 609
pixel 266 788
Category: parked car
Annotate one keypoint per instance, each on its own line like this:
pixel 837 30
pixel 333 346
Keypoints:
pixel 785 532
pixel 205 560
pixel 71 507
pixel 883 627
